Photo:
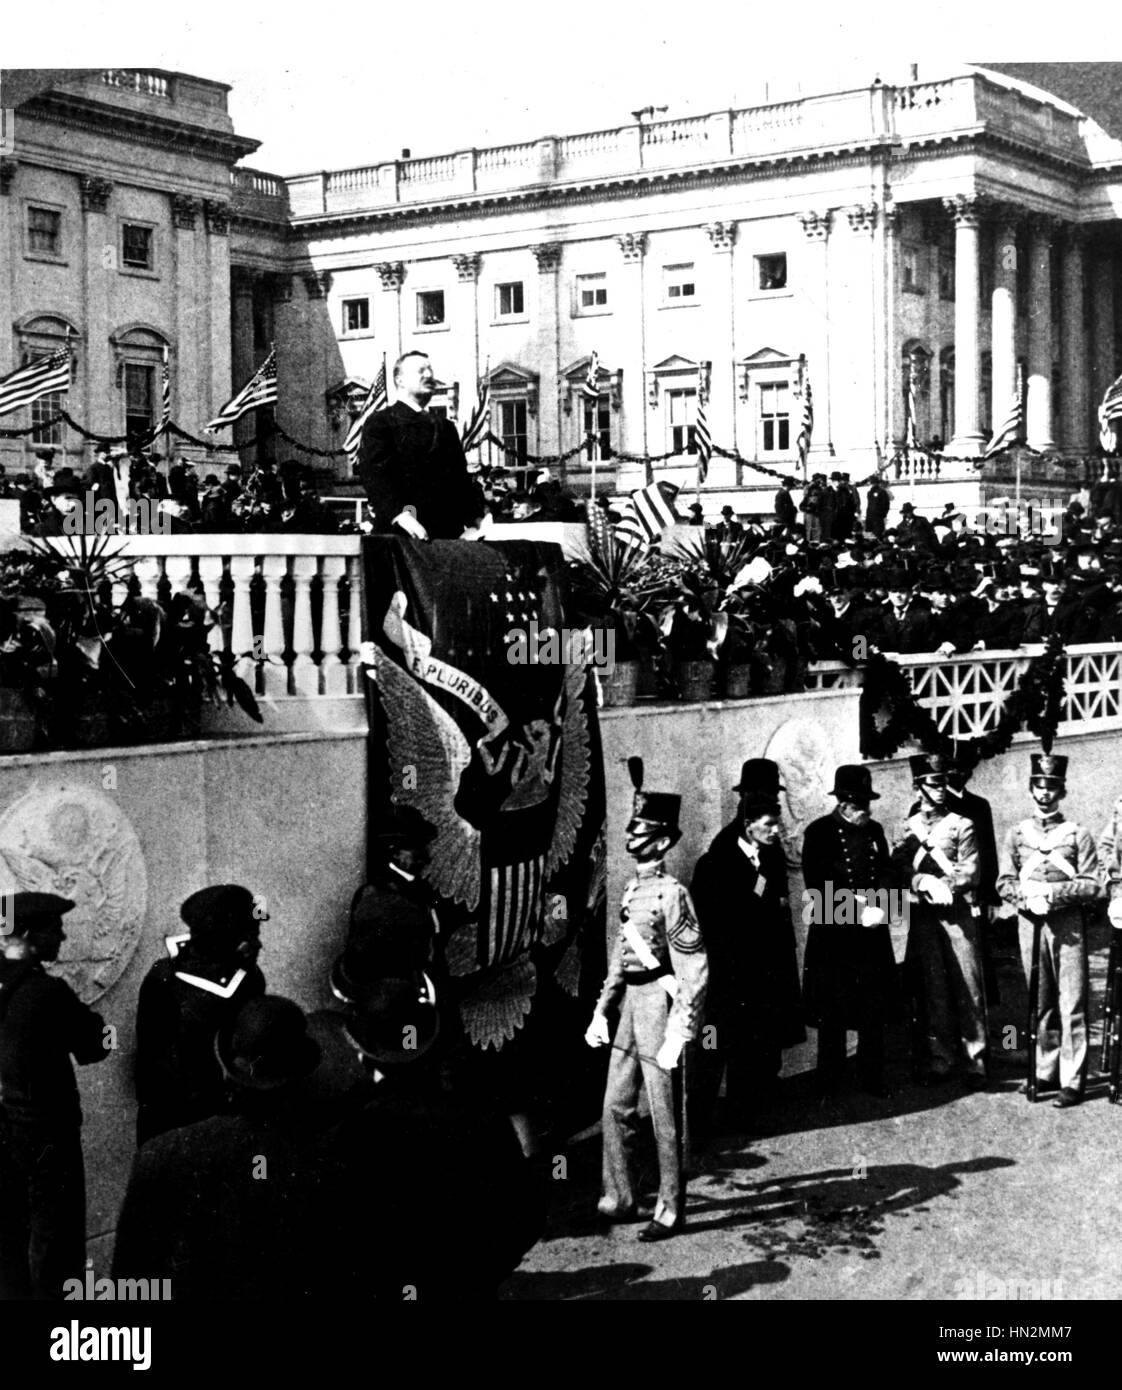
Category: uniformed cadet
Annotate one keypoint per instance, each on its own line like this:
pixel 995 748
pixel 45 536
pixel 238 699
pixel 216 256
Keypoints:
pixel 1049 869
pixel 657 975
pixel 936 858
pixel 1109 850
pixel 43 1024
pixel 184 1000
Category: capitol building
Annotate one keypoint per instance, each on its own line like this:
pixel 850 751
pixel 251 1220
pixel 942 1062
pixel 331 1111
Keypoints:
pixel 949 237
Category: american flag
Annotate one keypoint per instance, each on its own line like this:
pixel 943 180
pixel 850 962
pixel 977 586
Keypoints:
pixel 1011 431
pixel 165 398
pixel 259 390
pixel 39 378
pixel 648 513
pixel 590 386
pixel 376 399
pixel 806 424
pixel 1109 413
pixel 702 438
pixel 911 436
pixel 476 427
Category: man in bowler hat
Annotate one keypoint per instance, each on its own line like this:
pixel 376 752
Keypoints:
pixel 849 967
pixel 43 1024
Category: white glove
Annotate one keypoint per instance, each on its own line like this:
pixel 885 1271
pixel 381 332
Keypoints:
pixel 1114 912
pixel 935 890
pixel 1039 903
pixel 873 916
pixel 670 1051
pixel 366 652
pixel 596 1035
pixel 410 525
pixel 947 649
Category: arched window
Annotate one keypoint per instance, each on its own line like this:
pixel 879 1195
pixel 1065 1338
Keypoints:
pixel 915 368
pixel 41 335
pixel 138 350
pixel 946 394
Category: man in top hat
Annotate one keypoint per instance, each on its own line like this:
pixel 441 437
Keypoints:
pixel 936 859
pixel 904 624
pixel 728 530
pixel 849 968
pixel 877 503
pixel 42 1179
pixel 1049 870
pixel 183 1001
pixel 916 530
pixel 845 507
pixel 785 513
pixel 753 1001
pixel 657 974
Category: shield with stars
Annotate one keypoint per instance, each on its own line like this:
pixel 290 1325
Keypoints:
pixel 498 749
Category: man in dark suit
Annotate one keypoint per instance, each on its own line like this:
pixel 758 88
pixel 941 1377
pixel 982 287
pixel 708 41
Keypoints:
pixel 412 463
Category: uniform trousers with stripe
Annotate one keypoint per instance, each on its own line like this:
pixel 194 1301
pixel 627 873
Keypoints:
pixel 943 945
pixel 641 1032
pixel 1061 1008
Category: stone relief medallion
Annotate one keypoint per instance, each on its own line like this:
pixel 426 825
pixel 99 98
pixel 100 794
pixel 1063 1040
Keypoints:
pixel 77 842
pixel 806 765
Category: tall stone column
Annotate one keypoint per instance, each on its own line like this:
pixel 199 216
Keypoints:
pixel 217 216
pixel 548 257
pixel 860 372
pixel 967 436
pixel 465 366
pixel 187 407
pixel 633 359
pixel 102 395
pixel 816 227
pixel 1038 409
pixel 1075 420
pixel 721 407
pixel 1003 317
pixel 392 275
pixel 1102 305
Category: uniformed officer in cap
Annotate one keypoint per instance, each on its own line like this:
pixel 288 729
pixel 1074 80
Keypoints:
pixel 209 976
pixel 936 859
pixel 657 974
pixel 42 1179
pixel 1049 871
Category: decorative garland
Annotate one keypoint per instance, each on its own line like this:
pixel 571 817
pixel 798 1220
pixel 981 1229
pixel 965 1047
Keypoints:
pixel 1036 702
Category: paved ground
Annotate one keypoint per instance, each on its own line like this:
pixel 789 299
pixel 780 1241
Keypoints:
pixel 933 1194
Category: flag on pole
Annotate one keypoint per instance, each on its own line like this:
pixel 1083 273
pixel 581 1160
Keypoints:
pixel 590 386
pixel 42 377
pixel 806 423
pixel 911 436
pixel 1012 430
pixel 259 390
pixel 703 440
pixel 375 400
pixel 1110 412
pixel 476 427
pixel 650 511
pixel 165 404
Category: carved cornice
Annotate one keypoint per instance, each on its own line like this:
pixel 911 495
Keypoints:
pixel 467 267
pixel 967 210
pixel 94 192
pixel 722 235
pixel 184 211
pixel 217 215
pixel 632 245
pixel 816 225
pixel 547 255
pixel 391 274
pixel 317 283
pixel 863 218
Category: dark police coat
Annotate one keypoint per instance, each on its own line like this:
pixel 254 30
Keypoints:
pixel 414 458
pixel 745 920
pixel 849 972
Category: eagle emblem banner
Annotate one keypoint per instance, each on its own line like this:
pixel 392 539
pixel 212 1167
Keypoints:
pixel 500 753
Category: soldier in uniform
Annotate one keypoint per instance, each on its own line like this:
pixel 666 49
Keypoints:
pixel 1049 870
pixel 936 858
pixel 42 1177
pixel 184 1000
pixel 657 974
pixel 849 967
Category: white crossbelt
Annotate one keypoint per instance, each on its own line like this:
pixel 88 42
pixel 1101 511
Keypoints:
pixel 926 847
pixel 1041 856
pixel 648 957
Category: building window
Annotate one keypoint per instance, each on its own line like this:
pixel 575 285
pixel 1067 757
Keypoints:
pixel 775 417
pixel 356 315
pixel 678 284
pixel 44 231
pixel 43 409
pixel 597 428
pixel 139 397
pixel 771 271
pixel 136 247
pixel 512 430
pixel 591 294
pixel 946 273
pixel 430 308
pixel 946 394
pixel 912 279
pixel 681 413
pixel 509 300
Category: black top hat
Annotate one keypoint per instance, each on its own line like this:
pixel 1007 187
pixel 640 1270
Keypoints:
pixel 22 911
pixel 759 776
pixel 1048 767
pixel 852 782
pixel 907 507
pixel 65 484
pixel 726 510
pixel 652 808
pixel 930 765
pixel 221 911
pixel 267 1045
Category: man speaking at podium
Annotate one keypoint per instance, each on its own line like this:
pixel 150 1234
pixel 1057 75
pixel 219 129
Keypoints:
pixel 412 463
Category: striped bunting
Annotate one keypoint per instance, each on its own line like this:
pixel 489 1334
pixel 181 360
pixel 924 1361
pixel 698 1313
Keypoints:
pixel 39 378
pixel 259 390
pixel 375 400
